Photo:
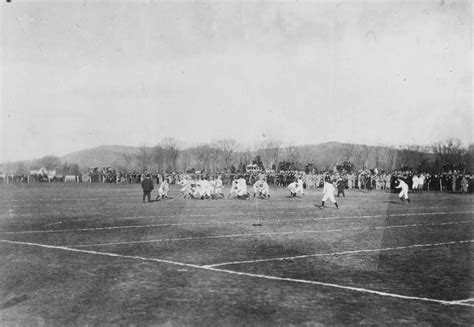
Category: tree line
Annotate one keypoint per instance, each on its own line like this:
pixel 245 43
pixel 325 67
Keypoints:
pixel 170 155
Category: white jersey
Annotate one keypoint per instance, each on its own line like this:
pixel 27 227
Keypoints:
pixel 328 188
pixel 402 185
pixel 218 186
pixel 404 192
pixel 186 185
pixel 261 187
pixel 203 188
pixel 292 187
pixel 328 191
pixel 241 187
pixel 299 186
pixel 421 180
pixel 234 188
pixel 415 182
pixel 164 188
pixel 265 189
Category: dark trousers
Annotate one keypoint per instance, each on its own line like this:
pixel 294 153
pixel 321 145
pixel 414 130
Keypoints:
pixel 147 194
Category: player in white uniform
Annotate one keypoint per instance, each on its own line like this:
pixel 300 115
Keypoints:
pixel 292 188
pixel 205 189
pixel 218 187
pixel 242 188
pixel 404 190
pixel 261 189
pixel 186 187
pixel 421 182
pixel 415 181
pixel 328 191
pixel 299 186
pixel 296 187
pixel 234 188
pixel 163 190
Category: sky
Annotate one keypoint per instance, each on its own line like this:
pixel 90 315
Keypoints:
pixel 79 74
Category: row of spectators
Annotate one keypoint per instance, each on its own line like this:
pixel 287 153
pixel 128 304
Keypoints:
pixel 365 180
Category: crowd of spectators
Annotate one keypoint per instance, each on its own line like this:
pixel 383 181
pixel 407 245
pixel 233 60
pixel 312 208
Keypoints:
pixel 368 180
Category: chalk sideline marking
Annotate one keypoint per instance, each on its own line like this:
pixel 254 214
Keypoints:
pixel 337 253
pixel 267 234
pixel 177 195
pixel 226 222
pixel 268 277
pixel 271 210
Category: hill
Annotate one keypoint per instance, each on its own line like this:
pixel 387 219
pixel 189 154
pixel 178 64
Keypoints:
pixel 105 155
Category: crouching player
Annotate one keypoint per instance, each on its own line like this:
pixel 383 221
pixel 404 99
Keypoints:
pixel 404 190
pixel 242 189
pixel 163 190
pixel 233 188
pixel 328 191
pixel 261 189
pixel 186 187
pixel 239 188
pixel 296 187
pixel 218 188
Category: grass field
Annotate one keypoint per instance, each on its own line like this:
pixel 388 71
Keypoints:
pixel 96 255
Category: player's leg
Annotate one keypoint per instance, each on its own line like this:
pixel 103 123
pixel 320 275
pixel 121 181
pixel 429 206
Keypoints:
pixel 331 197
pixel 325 197
pixel 400 195
pixel 149 196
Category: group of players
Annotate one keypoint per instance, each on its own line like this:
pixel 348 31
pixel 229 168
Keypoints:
pixel 213 188
pixel 203 189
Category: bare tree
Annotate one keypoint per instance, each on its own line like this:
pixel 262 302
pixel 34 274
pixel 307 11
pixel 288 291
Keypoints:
pixel 205 156
pixel 185 160
pixel 144 158
pixel 21 168
pixel 226 149
pixel 171 152
pixel 292 154
pixel 449 153
pixel 49 162
pixel 270 151
pixel 387 157
pixel 360 154
pixel 245 156
pixel 128 162
pixel 470 158
pixel 158 157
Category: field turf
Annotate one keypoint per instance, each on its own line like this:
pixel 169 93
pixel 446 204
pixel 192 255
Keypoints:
pixel 82 254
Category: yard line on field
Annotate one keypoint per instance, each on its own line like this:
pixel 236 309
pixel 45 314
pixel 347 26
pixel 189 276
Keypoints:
pixel 273 213
pixel 176 195
pixel 464 301
pixel 14 215
pixel 268 233
pixel 91 229
pixel 183 205
pixel 237 273
pixel 337 253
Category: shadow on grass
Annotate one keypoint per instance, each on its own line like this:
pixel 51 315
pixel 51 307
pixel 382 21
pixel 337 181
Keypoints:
pixel 393 202
pixel 14 301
